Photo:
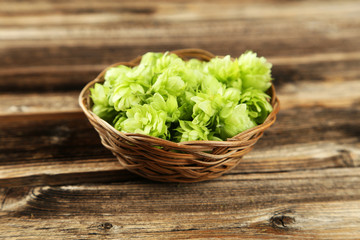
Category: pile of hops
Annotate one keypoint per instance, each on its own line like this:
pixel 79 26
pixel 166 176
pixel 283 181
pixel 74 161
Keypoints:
pixel 178 100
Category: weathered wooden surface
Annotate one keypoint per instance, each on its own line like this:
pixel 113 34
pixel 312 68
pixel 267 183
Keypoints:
pixel 302 180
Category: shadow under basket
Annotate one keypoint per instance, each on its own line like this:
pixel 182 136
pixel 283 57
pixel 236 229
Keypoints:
pixel 162 160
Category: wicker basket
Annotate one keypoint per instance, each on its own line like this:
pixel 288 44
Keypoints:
pixel 161 160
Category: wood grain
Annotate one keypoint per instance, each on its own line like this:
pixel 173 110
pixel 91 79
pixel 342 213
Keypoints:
pixel 285 70
pixel 56 144
pixel 79 39
pixel 304 93
pixel 270 205
pixel 301 181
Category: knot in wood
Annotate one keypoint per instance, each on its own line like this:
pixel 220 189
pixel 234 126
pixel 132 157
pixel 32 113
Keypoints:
pixel 106 225
pixel 282 221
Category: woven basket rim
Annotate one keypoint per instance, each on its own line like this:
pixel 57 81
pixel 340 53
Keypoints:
pixel 198 145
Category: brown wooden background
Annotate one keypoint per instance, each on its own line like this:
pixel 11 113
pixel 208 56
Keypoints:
pixel 302 181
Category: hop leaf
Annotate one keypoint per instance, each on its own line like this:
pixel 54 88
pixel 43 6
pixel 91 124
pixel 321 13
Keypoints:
pixel 149 59
pixel 195 64
pixel 234 120
pixel 224 69
pixel 100 95
pixel 189 131
pixel 169 83
pixel 255 72
pixel 167 61
pixel 170 106
pixel 144 119
pixel 127 94
pixel 257 104
pixel 207 106
pixel 115 74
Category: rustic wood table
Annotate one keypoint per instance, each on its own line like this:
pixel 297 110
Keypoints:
pixel 302 180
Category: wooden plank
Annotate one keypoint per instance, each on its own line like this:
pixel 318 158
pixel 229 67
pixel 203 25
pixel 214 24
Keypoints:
pixel 39 147
pixel 301 181
pixel 291 94
pixel 47 80
pixel 54 137
pixel 164 14
pixel 67 51
pixel 321 204
pixel 220 36
pixel 39 103
pixel 327 67
pixel 330 94
pixel 333 67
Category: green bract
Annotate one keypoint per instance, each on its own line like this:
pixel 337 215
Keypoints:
pixel 255 72
pixel 233 120
pixel 100 95
pixel 225 70
pixel 190 131
pixel 169 98
pixel 144 119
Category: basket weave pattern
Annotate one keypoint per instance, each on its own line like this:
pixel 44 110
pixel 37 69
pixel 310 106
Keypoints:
pixel 162 160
